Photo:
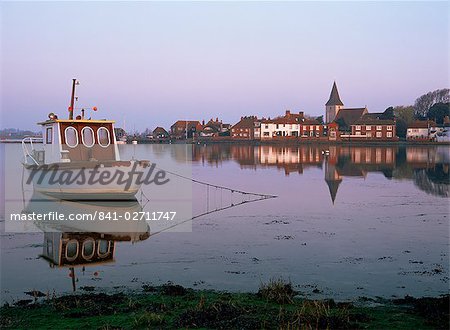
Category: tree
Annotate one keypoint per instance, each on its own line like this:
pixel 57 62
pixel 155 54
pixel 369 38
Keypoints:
pixel 342 124
pixel 388 114
pixel 423 103
pixel 320 119
pixel 401 127
pixel 404 112
pixel 438 111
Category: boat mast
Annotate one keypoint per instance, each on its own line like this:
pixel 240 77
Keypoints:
pixel 72 98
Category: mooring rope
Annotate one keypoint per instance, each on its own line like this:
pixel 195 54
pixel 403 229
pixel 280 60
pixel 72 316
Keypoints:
pixel 217 186
pixel 258 196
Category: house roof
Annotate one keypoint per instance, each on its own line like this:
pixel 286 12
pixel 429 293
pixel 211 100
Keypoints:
pixel 310 122
pixel 350 115
pixel 421 124
pixel 372 119
pixel 334 96
pixel 288 118
pixel 159 129
pixel 190 123
pixel 246 122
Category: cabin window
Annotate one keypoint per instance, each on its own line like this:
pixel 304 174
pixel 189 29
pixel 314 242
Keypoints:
pixel 87 136
pixel 88 249
pixel 71 136
pixel 49 135
pixel 72 250
pixel 103 137
pixel 103 248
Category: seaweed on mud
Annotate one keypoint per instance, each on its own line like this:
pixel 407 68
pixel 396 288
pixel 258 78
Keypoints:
pixel 170 289
pixel 434 310
pixel 218 315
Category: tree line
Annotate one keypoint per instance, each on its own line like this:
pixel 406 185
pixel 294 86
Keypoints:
pixel 433 105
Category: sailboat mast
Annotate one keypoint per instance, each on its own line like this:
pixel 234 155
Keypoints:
pixel 72 99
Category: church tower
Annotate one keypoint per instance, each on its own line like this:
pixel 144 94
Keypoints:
pixel 333 105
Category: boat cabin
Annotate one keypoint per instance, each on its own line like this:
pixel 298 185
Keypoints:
pixel 73 140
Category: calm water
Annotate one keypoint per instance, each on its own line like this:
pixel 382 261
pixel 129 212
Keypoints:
pixel 369 221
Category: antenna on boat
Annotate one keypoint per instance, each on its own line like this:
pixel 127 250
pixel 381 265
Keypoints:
pixel 72 98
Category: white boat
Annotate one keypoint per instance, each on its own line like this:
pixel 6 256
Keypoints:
pixel 79 159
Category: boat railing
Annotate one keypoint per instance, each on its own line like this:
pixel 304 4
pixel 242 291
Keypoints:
pixel 29 153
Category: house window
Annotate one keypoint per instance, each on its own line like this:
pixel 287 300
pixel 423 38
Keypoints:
pixel 369 134
pixel 358 133
pixel 317 127
pixel 368 127
pixel 389 128
pixel 71 137
pixel 378 134
pixel 389 134
pixel 266 126
pixel 358 128
pixel 49 135
pixel 266 134
pixel 378 128
pixel 87 137
pixel 232 130
pixel 103 137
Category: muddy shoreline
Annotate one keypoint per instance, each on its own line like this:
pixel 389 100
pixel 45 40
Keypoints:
pixel 275 305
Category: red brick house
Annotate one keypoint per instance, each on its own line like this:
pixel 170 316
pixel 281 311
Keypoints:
pixel 311 128
pixel 178 130
pixel 371 128
pixel 245 128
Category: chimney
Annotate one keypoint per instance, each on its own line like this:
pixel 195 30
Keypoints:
pixel 203 122
pixel 288 112
pixel 301 113
pixel 217 119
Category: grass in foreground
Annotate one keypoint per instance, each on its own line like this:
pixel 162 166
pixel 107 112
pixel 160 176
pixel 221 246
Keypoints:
pixel 273 307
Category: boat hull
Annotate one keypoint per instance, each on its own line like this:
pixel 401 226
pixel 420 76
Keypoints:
pixel 114 180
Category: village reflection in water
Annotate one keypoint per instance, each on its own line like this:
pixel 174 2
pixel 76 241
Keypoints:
pixel 428 167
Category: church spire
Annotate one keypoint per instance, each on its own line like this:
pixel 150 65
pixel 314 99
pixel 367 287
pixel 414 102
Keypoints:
pixel 334 97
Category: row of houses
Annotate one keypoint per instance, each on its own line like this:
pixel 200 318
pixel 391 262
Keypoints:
pixel 340 123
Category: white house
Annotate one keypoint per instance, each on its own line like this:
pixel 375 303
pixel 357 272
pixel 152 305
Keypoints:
pixel 419 130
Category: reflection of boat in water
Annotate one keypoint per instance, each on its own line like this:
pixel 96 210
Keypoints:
pixel 107 218
pixel 87 242
pixel 80 159
pixel 80 242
